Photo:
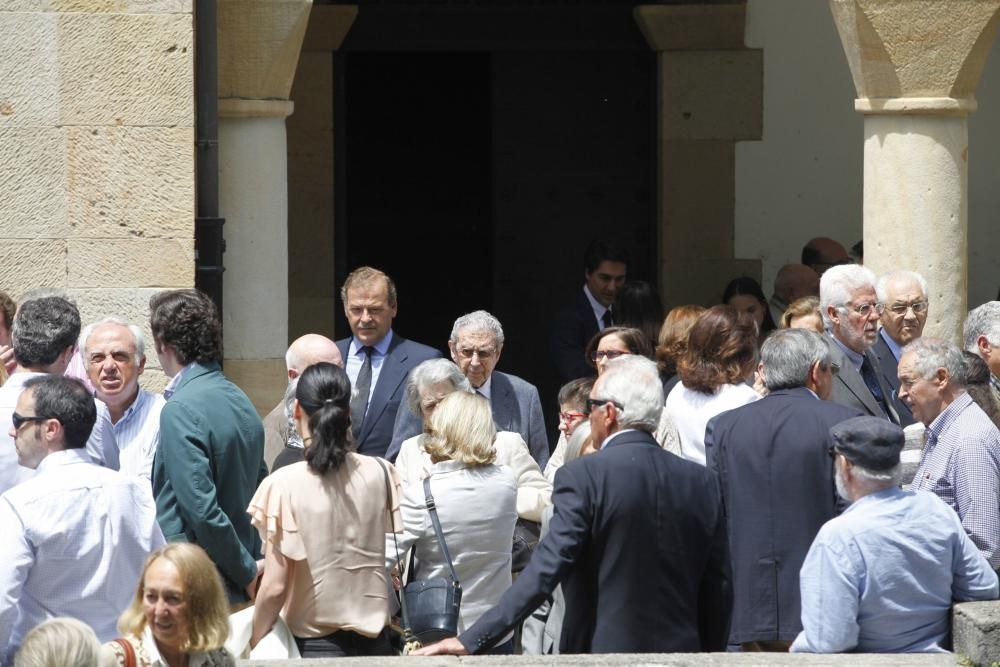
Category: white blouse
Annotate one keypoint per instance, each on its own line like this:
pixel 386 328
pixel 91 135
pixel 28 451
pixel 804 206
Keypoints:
pixel 690 411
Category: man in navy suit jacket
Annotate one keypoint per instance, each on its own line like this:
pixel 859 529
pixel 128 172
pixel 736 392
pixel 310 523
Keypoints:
pixel 375 357
pixel 590 311
pixel 637 539
pixel 774 468
pixel 904 294
pixel 476 343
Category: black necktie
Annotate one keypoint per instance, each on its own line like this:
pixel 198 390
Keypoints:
pixel 362 386
pixel 871 381
pixel 607 319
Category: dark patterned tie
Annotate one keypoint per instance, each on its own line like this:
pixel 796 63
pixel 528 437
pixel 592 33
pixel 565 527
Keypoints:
pixel 362 387
pixel 871 381
pixel 608 320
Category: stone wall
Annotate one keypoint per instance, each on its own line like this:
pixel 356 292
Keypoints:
pixel 96 143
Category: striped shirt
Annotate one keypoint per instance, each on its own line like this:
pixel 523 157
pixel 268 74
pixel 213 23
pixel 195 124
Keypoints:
pixel 129 445
pixel 961 464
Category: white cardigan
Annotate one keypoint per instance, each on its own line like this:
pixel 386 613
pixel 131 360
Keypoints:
pixel 534 492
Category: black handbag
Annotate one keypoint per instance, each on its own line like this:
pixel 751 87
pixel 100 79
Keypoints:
pixel 430 607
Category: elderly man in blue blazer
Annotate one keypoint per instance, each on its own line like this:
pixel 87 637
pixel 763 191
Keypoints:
pixel 475 344
pixel 376 358
pixel 637 539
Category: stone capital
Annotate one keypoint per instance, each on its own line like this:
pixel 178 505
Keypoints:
pixel 916 57
pixel 259 45
pixel 692 26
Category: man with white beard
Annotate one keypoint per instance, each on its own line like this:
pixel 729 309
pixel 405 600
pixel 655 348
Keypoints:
pixel 881 577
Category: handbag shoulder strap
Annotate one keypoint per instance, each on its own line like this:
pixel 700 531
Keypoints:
pixel 128 651
pixel 432 510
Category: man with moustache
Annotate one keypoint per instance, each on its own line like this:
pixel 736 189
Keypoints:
pixel 127 431
pixel 904 294
pixel 881 577
pixel 850 309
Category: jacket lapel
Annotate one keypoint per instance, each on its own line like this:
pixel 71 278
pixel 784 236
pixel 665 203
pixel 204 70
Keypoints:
pixel 389 378
pixel 503 403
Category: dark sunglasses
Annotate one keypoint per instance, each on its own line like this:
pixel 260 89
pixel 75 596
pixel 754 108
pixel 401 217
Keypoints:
pixel 21 420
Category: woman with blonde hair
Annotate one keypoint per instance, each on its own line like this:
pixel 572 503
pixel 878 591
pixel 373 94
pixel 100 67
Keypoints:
pixel 179 616
pixel 803 314
pixel 476 503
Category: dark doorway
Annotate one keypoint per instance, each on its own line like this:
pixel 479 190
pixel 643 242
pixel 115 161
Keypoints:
pixel 417 183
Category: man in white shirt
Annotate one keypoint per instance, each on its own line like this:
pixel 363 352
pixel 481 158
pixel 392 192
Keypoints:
pixel 44 334
pixel 76 535
pixel 127 431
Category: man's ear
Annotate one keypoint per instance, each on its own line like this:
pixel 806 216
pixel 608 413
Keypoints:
pixel 984 347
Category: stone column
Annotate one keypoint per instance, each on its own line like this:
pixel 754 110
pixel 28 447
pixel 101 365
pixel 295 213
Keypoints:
pixel 259 44
pixel 916 67
pixel 312 285
pixel 710 96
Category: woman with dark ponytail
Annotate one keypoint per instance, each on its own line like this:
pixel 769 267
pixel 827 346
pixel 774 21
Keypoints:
pixel 323 523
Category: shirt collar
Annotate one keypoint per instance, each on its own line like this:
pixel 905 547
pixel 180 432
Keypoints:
pixel 380 348
pixel 171 387
pixel 487 389
pixel 448 466
pixel 140 400
pixel 854 357
pixel 947 417
pixel 64 457
pixel 17 380
pixel 894 347
pixel 598 308
pixel 874 497
pixel 615 435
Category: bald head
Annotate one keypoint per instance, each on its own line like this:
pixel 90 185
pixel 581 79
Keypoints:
pixel 308 350
pixel 795 281
pixel 821 253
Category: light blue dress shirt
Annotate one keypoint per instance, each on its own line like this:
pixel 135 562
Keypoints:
pixel 882 576
pixel 356 358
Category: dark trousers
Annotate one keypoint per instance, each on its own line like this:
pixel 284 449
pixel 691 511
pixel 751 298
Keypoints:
pixel 344 644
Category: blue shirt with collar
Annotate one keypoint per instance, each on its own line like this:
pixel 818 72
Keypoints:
pixel 356 359
pixel 894 347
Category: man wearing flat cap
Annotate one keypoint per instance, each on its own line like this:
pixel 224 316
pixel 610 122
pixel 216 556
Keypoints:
pixel 881 577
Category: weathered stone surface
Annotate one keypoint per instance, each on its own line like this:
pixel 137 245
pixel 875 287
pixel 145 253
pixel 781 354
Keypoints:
pixel 126 69
pixel 28 264
pixel 976 630
pixel 130 262
pixel 259 44
pixel 328 26
pixel 29 70
pixel 153 378
pixel 711 94
pixel 263 380
pixel 132 182
pixel 100 6
pixel 32 182
pixel 930 49
pixel 130 304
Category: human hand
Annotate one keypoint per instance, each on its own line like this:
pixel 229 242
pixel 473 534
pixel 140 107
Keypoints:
pixel 7 358
pixel 254 584
pixel 450 646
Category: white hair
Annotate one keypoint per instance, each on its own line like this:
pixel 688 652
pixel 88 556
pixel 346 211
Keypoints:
pixel 884 478
pixel 982 321
pixel 930 354
pixel 140 341
pixel 788 356
pixel 633 382
pixel 836 285
pixel 575 443
pixel 881 288
pixel 433 371
pixel 65 642
pixel 478 320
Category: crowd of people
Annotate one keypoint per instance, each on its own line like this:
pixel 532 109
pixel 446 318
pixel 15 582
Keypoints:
pixel 805 472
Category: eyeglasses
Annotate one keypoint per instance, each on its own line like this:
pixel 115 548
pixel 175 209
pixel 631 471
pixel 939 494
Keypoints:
pixel 21 420
pixel 601 402
pixel 570 417
pixel 469 352
pixel 606 354
pixel 919 307
pixel 865 309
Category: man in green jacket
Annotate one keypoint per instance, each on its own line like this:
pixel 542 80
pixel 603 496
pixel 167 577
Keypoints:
pixel 210 458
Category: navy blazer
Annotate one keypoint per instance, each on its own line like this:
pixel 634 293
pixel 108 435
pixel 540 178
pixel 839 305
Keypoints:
pixel 515 406
pixel 638 541
pixel 777 488
pixel 572 329
pixel 402 355
pixel 849 387
pixel 889 368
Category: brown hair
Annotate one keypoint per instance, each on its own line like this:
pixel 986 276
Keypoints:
pixel 7 309
pixel 722 349
pixel 364 276
pixel 674 336
pixel 207 605
pixel 634 340
pixel 807 305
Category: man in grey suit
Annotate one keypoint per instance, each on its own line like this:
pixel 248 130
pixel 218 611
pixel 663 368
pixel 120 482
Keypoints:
pixel 850 311
pixel 475 344
pixel 904 294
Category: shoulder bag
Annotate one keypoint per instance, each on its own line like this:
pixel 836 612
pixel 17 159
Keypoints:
pixel 430 606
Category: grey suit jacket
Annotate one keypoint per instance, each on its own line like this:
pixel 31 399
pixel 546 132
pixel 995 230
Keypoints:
pixel 889 367
pixel 516 408
pixel 849 387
